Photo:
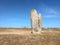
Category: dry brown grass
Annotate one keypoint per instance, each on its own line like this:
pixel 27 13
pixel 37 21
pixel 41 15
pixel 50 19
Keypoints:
pixel 24 37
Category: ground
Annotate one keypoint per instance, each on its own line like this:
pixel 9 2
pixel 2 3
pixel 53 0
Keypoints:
pixel 23 36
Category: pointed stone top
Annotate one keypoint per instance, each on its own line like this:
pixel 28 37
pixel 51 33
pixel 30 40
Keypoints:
pixel 33 11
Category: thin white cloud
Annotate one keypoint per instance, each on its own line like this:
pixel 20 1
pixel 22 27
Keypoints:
pixel 51 13
pixel 50 16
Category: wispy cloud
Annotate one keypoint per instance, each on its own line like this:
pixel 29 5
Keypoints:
pixel 50 16
pixel 49 12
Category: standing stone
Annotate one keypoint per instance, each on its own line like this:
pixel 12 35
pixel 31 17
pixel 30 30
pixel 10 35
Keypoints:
pixel 36 21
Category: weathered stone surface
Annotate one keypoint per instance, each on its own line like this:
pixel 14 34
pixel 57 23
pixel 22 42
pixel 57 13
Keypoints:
pixel 36 21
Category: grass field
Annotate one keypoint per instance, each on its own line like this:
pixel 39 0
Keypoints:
pixel 23 36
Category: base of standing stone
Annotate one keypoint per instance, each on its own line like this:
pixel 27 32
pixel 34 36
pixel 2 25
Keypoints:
pixel 36 32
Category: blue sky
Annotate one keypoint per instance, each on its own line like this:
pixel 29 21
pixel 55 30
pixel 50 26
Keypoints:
pixel 16 13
